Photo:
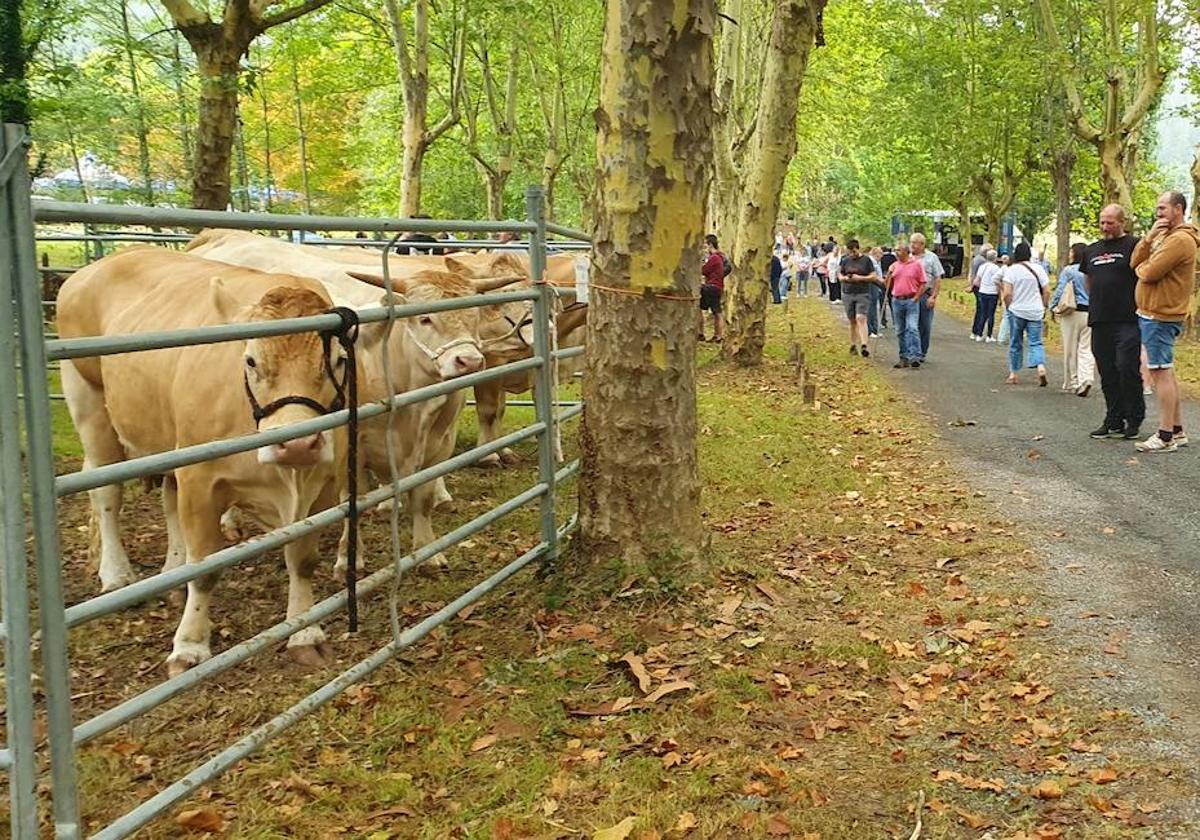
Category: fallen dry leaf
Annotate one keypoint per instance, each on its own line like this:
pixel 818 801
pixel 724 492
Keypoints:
pixel 638 669
pixel 1047 789
pixel 1102 775
pixel 206 820
pixel 778 826
pixel 753 641
pixel 686 822
pixel 971 820
pixel 665 689
pixel 617 832
pixel 482 743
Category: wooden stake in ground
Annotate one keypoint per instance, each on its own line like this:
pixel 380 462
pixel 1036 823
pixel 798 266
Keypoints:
pixel 639 485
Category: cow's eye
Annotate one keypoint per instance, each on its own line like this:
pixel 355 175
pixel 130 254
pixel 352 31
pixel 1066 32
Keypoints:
pixel 250 363
pixel 341 362
pixel 426 321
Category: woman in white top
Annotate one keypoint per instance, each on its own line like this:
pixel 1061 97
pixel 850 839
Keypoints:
pixel 988 278
pixel 1026 291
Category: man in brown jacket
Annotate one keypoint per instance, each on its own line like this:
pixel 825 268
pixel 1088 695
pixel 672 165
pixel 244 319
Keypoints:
pixel 1165 263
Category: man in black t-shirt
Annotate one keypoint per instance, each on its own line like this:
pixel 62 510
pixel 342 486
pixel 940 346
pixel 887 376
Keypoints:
pixel 857 274
pixel 1112 315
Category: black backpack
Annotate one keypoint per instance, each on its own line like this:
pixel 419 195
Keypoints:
pixel 727 265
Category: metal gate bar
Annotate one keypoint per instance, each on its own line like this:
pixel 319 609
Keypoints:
pixel 17 756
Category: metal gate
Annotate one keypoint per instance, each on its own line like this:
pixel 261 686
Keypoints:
pixel 31 490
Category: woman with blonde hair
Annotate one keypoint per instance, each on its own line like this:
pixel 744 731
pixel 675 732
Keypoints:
pixel 1078 365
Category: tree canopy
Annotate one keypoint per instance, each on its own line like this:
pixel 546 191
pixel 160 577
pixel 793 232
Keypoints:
pixel 953 104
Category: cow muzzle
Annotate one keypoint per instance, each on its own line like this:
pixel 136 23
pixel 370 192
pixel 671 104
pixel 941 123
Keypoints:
pixel 307 451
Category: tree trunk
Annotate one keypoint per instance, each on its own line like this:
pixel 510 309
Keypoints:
pixel 219 47
pixel 965 233
pixel 639 484
pixel 243 168
pixel 1196 187
pixel 139 107
pixel 215 122
pixel 185 131
pixel 1061 168
pixel 301 136
pixel 413 139
pixel 268 176
pixel 726 185
pixel 793 28
pixel 1113 173
pixel 991 220
pixel 14 82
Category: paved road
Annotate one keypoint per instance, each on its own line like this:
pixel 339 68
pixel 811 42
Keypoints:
pixel 1128 544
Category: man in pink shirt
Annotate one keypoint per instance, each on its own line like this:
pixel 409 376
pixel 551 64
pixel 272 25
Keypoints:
pixel 906 282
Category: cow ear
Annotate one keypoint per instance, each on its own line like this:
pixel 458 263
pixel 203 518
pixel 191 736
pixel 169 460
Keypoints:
pixel 223 302
pixel 457 266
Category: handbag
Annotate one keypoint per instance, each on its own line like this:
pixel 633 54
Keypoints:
pixel 1067 303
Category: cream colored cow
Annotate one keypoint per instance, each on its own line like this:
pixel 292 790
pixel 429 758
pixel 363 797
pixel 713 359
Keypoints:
pixel 422 434
pixel 135 404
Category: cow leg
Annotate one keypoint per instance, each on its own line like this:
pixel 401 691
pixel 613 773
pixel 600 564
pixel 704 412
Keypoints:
pixel 101 447
pixel 441 496
pixel 422 501
pixel 343 557
pixel 307 647
pixel 489 408
pixel 200 521
pixel 176 547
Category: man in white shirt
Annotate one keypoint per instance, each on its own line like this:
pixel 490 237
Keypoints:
pixel 933 285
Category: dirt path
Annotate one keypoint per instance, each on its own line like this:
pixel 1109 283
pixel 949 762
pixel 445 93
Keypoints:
pixel 1120 530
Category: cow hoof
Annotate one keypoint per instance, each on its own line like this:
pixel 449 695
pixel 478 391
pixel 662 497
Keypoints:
pixel 490 462
pixel 109 583
pixel 187 655
pixel 311 656
pixel 441 496
pixel 509 457
pixel 339 569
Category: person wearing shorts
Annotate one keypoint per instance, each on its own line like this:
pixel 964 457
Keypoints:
pixel 857 275
pixel 711 290
pixel 1165 264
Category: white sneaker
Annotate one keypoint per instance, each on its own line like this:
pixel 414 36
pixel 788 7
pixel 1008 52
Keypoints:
pixel 989 340
pixel 1179 440
pixel 1155 444
pixel 874 335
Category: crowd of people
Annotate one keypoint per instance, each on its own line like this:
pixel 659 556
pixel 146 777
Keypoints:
pixel 1121 303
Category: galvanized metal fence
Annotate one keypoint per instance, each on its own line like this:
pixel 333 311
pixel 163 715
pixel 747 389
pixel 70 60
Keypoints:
pixel 31 491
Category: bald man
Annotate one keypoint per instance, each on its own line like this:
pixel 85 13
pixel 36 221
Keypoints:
pixel 1112 315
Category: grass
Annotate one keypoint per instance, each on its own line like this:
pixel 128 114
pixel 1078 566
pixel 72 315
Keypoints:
pixel 862 630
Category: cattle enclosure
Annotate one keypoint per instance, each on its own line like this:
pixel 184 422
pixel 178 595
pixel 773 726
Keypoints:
pixel 51 693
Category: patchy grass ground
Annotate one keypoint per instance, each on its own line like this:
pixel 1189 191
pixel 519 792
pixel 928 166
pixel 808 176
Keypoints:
pixel 858 652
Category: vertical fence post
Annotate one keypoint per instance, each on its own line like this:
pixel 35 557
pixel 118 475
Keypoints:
pixel 543 389
pixel 14 584
pixel 40 460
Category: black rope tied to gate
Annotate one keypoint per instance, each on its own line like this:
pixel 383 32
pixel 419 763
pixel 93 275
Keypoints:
pixel 345 395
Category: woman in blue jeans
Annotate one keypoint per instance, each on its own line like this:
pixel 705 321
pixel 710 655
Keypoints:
pixel 1025 289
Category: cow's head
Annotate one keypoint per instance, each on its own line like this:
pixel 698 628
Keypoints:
pixel 290 378
pixel 505 330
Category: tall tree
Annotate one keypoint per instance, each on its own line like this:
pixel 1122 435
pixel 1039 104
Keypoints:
pixel 1125 103
pixel 412 66
pixel 139 104
pixel 502 109
pixel 219 47
pixel 794 28
pixel 639 486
